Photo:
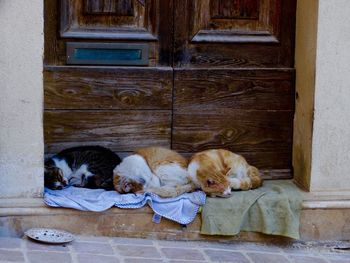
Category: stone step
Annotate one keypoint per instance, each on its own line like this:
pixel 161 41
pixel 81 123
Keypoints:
pixel 327 222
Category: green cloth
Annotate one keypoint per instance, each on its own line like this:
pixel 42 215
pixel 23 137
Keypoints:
pixel 272 209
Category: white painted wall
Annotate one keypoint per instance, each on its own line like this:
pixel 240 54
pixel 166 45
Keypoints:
pixel 330 170
pixel 21 98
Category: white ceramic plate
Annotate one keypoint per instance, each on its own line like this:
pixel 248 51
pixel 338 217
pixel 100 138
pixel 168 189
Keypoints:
pixel 50 235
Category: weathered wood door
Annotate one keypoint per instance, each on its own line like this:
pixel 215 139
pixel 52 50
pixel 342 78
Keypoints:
pixel 187 74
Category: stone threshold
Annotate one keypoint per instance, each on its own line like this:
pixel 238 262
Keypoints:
pixel 323 218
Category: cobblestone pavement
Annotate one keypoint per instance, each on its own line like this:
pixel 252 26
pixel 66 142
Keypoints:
pixel 107 250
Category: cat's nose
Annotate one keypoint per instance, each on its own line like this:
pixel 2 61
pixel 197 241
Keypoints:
pixel 227 192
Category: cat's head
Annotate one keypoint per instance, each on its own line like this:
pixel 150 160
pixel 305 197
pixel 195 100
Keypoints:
pixel 215 185
pixel 124 185
pixel 53 178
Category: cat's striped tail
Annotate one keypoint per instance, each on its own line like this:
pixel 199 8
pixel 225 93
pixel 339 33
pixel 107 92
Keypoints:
pixel 252 180
pixel 255 177
pixel 167 191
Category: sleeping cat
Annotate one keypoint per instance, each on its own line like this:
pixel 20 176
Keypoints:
pixel 83 166
pixel 153 169
pixel 219 171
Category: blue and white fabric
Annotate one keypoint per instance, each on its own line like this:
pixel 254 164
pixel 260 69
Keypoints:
pixel 181 209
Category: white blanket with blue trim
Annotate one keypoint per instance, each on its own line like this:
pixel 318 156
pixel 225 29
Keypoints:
pixel 181 209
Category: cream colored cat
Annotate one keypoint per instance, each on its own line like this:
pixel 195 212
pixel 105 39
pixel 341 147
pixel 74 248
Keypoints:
pixel 153 169
pixel 219 171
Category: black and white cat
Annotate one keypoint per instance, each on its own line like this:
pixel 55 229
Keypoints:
pixel 82 166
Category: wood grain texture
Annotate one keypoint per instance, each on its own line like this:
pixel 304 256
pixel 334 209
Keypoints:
pixel 107 88
pixel 54 48
pixel 278 161
pixel 117 130
pixel 233 78
pixel 74 15
pixel 267 42
pixel 236 130
pixel 223 9
pixel 147 26
pixel 115 7
pixel 234 89
pixel 132 20
pixel 241 17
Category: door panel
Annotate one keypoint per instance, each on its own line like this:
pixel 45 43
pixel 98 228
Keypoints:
pixel 109 21
pixel 121 131
pixel 232 89
pixel 239 33
pixel 108 88
pixel 236 21
pixel 238 130
pixel 121 107
pixel 126 19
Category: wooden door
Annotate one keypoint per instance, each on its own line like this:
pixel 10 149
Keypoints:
pixel 234 79
pixel 217 73
pixel 90 101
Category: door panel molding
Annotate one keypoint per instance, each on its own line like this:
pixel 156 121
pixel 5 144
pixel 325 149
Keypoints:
pixel 79 19
pixel 242 21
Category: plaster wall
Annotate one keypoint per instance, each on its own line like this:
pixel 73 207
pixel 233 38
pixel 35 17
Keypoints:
pixel 331 130
pixel 21 98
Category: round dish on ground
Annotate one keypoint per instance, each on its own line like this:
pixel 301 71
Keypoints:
pixel 49 235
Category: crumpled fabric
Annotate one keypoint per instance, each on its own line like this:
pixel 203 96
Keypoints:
pixel 182 209
pixel 271 209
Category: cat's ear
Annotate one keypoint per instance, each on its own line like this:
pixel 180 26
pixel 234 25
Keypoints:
pixel 142 181
pixel 60 172
pixel 210 182
pixel 127 187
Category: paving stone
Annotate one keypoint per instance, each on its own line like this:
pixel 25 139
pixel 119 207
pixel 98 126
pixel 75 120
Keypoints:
pixel 292 250
pixel 48 257
pixel 306 259
pixel 239 246
pixel 132 241
pixel 144 260
pixel 10 242
pixel 339 261
pixel 182 253
pixel 84 258
pixel 267 258
pixel 226 256
pixel 10 255
pixel 32 245
pixel 92 239
pixel 93 248
pixel 338 256
pixel 183 244
pixel 249 246
pixel 138 251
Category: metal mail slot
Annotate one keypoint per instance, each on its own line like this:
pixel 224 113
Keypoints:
pixel 82 53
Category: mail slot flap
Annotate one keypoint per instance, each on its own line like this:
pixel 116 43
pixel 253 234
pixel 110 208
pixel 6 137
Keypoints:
pixel 82 53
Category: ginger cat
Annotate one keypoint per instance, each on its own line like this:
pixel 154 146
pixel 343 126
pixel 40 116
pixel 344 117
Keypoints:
pixel 219 171
pixel 153 169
